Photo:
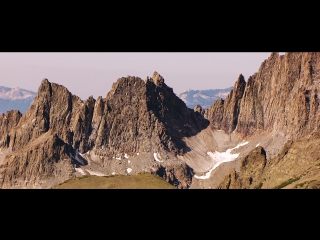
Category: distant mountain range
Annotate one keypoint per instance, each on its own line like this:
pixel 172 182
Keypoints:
pixel 15 99
pixel 205 98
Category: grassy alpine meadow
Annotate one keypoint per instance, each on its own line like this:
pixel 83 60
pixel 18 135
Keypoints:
pixel 140 181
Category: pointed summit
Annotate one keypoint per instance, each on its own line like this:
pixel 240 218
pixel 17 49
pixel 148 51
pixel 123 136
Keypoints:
pixel 45 86
pixel 45 80
pixel 241 78
pixel 157 79
pixel 273 55
pixel 239 87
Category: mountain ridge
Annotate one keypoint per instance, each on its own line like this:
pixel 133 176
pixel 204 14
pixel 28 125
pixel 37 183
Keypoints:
pixel 260 131
pixel 152 121
pixel 280 99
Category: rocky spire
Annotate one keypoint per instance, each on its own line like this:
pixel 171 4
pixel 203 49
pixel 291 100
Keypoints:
pixel 232 105
pixel 223 114
pixel 157 79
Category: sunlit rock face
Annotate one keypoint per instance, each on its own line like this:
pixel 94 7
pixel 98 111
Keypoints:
pixel 281 97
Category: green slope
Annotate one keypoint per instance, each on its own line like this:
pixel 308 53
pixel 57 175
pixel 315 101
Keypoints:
pixel 140 181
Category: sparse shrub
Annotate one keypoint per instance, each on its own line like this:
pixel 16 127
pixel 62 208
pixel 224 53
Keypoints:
pixel 286 183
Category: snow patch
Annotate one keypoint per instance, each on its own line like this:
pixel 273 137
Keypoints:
pixel 223 94
pixel 220 157
pixel 80 171
pixel 95 173
pixel 257 144
pixel 126 155
pixel 129 170
pixel 113 173
pixel 137 153
pixel 84 153
pixel 118 158
pixel 156 158
pixel 128 161
pixel 239 145
pixel 201 96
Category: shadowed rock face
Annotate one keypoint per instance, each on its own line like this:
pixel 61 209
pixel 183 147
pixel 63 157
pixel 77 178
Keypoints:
pixel 176 119
pixel 143 116
pixel 136 116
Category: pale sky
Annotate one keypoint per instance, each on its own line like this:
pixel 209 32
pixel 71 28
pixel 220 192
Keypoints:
pixel 92 73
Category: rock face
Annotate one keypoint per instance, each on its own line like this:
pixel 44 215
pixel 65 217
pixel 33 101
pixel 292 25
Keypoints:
pixel 36 164
pixel 179 175
pixel 224 113
pixel 142 126
pixel 135 117
pixel 251 168
pixel 150 117
pixel 8 120
pixel 282 97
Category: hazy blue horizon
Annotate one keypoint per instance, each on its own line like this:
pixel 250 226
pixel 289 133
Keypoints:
pixel 93 73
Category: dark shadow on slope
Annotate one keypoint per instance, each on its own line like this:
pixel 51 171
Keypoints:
pixel 77 158
pixel 179 120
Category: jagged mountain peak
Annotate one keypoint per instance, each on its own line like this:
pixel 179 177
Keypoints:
pixel 44 81
pixel 135 117
pixel 157 79
pixel 241 78
pixel 262 102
